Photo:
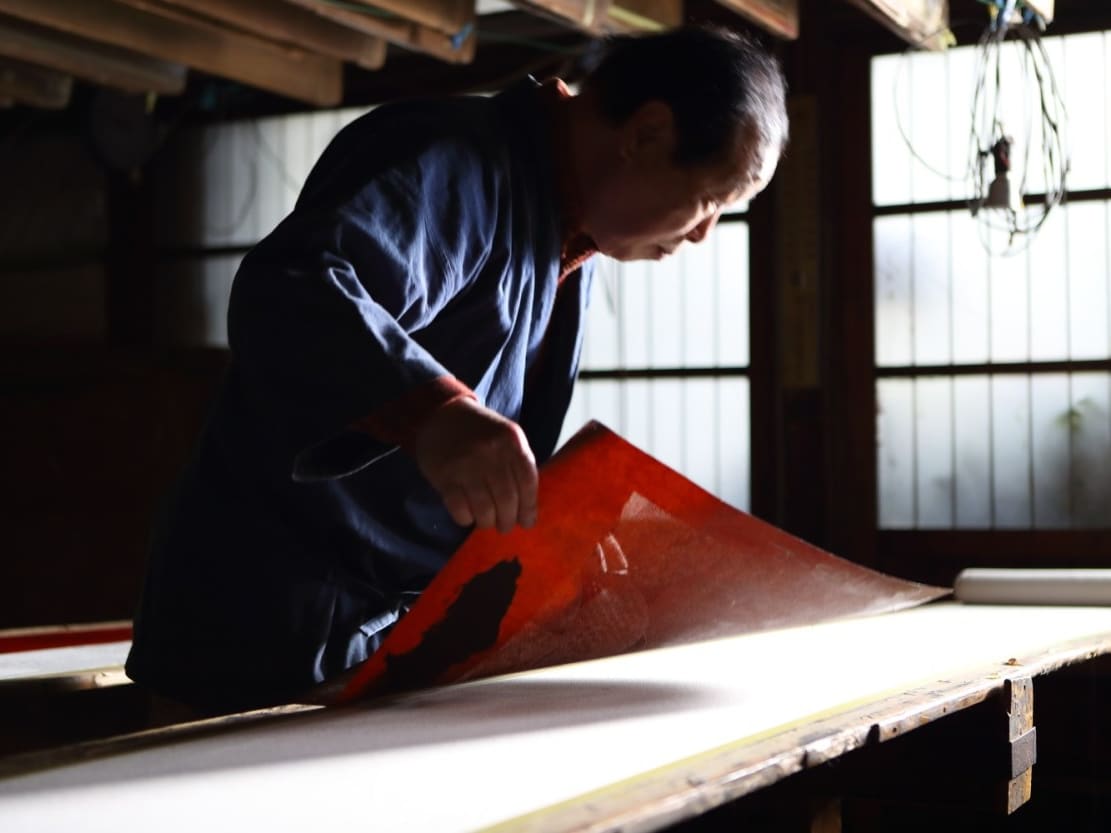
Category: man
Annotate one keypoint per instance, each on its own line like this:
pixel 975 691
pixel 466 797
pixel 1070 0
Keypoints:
pixel 404 346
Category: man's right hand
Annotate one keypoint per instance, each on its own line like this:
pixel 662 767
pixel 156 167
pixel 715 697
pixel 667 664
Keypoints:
pixel 480 463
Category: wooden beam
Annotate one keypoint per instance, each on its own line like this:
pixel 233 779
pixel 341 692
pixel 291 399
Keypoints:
pixel 780 17
pixel 292 25
pixel 35 86
pixel 104 65
pixel 588 15
pixel 448 16
pixel 921 23
pixel 645 15
pixel 152 30
pixel 397 31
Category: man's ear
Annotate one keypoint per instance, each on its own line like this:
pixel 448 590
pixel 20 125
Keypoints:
pixel 649 133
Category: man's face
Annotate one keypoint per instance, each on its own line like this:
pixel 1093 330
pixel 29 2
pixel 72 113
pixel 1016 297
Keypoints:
pixel 647 205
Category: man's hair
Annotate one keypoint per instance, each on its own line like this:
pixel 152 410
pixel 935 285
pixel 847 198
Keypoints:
pixel 714 80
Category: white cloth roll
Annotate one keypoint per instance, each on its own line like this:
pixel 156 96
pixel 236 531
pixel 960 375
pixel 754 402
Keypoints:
pixel 1033 587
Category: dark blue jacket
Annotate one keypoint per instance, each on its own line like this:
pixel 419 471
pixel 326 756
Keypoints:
pixel 425 245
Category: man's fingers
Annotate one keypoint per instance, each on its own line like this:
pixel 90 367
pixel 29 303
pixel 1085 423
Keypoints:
pixel 503 488
pixel 482 505
pixel 527 479
pixel 455 499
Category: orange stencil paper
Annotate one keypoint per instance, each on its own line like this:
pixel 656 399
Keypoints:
pixel 626 555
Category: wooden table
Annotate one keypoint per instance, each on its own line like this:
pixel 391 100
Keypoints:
pixel 636 742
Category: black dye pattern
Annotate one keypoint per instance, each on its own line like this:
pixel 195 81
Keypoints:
pixel 470 625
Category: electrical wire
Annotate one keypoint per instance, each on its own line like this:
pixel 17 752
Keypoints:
pixel 1020 223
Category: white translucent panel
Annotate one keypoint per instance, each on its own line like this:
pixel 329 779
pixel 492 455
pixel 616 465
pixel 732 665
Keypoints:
pixel 731 312
pixel 928 127
pixel 960 69
pixel 1090 425
pixel 668 423
pixel 933 447
pixel 191 301
pixel 690 310
pixel 1088 270
pixel 1049 296
pixel 699 283
pixel 701 432
pixel 972 451
pixel 1084 64
pixel 895 454
pixel 890 158
pixel 1050 422
pixel 971 290
pixel 699 427
pixel 1010 448
pixel 931 298
pixel 633 293
pixel 734 447
pixel 602 340
pixel 666 312
pixel 1010 308
pixel 894 303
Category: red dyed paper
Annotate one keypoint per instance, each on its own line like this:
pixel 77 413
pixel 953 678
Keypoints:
pixel 627 555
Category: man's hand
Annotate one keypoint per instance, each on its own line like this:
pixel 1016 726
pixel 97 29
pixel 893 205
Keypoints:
pixel 481 464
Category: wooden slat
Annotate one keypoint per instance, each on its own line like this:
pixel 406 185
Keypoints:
pixel 780 17
pixel 34 86
pixel 588 15
pixel 397 31
pixel 290 24
pixel 645 15
pixel 922 23
pixel 104 65
pixel 448 16
pixel 160 33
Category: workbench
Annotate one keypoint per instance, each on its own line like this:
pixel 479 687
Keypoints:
pixel 636 742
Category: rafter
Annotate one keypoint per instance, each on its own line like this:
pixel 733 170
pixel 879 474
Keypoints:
pixel 161 33
pixel 93 62
pixel 292 25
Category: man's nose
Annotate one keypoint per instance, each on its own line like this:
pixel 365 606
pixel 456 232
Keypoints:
pixel 699 232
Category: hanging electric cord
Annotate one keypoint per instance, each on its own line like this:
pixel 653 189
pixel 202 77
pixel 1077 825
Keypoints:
pixel 996 207
pixel 993 204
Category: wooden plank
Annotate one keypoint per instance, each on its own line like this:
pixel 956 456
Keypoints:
pixel 397 31
pixel 921 23
pixel 170 36
pixel 103 65
pixel 645 15
pixel 780 17
pixel 448 16
pixel 35 86
pixel 292 25
pixel 588 15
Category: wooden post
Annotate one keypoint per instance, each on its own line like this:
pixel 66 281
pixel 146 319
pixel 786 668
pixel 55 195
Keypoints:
pixel 1018 695
pixel 162 33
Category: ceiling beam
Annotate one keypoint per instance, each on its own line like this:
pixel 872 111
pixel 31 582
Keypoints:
pixel 921 23
pixel 780 17
pixel 645 15
pixel 448 16
pixel 93 62
pixel 35 86
pixel 292 25
pixel 401 32
pixel 170 36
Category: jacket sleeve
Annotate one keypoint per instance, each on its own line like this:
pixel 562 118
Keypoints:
pixel 325 313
